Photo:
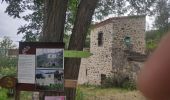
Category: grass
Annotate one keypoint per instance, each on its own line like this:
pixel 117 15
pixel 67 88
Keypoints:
pixel 26 95
pixel 3 94
pixel 98 93
pixel 11 71
pixel 23 96
pixel 89 93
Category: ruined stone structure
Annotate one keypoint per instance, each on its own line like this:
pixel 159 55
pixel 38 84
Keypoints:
pixel 112 42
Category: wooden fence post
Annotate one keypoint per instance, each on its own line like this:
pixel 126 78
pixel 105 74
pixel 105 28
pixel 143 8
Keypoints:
pixel 17 95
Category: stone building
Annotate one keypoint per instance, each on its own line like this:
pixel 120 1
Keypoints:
pixel 117 45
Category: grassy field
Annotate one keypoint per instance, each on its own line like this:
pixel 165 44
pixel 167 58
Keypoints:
pixel 90 93
pixel 23 95
pixel 97 93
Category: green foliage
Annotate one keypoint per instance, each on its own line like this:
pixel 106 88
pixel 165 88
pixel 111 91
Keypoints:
pixel 162 11
pixel 8 62
pixel 151 35
pixel 79 95
pixel 119 80
pixel 6 44
pixel 34 18
pixel 151 44
pixel 71 14
pixel 56 86
pixel 153 38
pixel 7 71
pixel 91 93
pixel 141 7
pixel 8 66
pixel 15 9
pixel 3 94
pixel 129 85
pixel 25 95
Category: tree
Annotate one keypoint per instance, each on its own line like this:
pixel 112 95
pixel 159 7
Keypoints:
pixel 162 25
pixel 6 44
pixel 162 16
pixel 35 18
pixel 33 29
pixel 104 8
pixel 138 7
pixel 55 32
pixel 6 62
pixel 54 18
pixel 77 40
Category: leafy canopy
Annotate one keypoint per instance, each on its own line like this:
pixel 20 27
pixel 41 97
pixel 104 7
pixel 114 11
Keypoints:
pixel 32 30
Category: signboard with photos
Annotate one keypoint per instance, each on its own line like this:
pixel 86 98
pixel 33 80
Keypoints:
pixel 41 66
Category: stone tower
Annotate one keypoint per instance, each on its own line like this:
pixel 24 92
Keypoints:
pixel 111 42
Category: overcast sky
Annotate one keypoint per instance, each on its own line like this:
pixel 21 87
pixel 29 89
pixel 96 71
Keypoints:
pixel 9 26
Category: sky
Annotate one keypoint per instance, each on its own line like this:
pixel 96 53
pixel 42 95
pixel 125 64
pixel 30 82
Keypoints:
pixel 9 25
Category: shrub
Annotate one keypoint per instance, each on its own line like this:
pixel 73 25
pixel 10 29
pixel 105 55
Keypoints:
pixel 119 80
pixel 130 85
pixel 7 71
pixel 8 62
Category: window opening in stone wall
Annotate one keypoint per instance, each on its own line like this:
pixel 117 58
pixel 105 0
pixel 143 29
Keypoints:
pixel 100 39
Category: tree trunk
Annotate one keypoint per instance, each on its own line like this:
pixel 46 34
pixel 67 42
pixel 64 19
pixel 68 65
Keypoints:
pixel 54 20
pixel 55 12
pixel 53 28
pixel 83 20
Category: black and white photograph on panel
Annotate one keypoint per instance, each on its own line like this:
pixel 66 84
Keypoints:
pixel 49 58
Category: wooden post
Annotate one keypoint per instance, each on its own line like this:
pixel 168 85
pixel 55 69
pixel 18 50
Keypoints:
pixel 17 95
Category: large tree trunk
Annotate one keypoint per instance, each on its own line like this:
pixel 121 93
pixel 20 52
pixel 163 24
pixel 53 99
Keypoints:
pixel 54 20
pixel 83 20
pixel 53 28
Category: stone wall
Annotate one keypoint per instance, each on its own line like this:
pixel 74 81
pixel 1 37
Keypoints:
pixel 110 58
pixel 133 27
pixel 101 60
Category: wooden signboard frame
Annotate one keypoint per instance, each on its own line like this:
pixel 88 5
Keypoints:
pixel 31 87
pixel 32 50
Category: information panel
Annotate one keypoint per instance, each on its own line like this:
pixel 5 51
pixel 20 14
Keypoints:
pixel 26 69
pixel 41 64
